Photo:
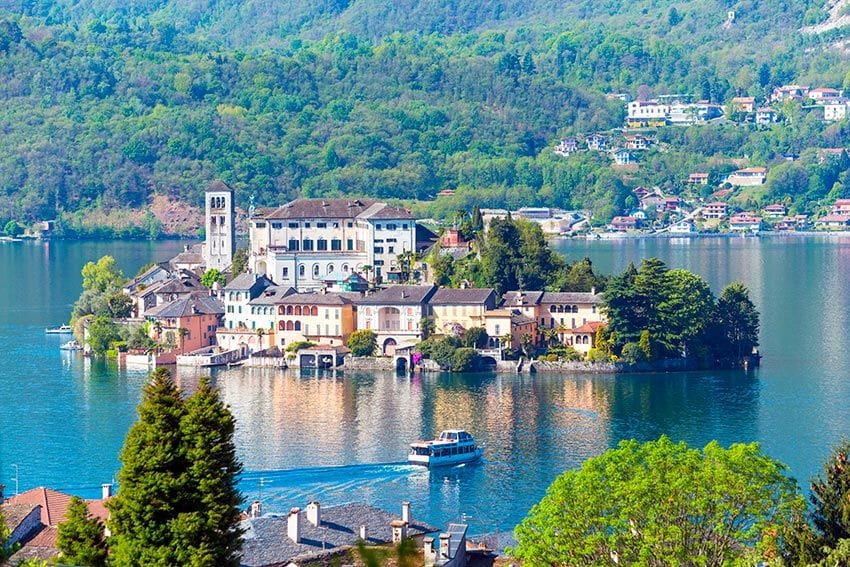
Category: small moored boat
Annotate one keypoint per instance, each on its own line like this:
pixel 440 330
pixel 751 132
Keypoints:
pixel 454 446
pixel 60 330
pixel 71 345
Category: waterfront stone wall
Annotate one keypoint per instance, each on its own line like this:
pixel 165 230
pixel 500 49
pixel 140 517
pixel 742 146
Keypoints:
pixel 368 363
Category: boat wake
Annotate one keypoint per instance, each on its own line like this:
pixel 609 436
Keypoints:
pixel 281 489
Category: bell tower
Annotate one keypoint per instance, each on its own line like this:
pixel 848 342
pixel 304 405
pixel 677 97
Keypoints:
pixel 220 226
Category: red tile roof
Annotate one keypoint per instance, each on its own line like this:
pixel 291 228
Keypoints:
pixel 587 328
pixel 54 504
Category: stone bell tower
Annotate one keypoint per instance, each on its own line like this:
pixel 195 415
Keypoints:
pixel 220 226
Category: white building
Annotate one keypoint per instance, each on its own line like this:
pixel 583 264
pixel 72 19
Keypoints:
pixel 395 315
pixel 220 226
pixel 835 110
pixel 301 242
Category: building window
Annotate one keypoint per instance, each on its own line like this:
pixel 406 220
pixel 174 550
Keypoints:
pixel 330 268
pixel 345 268
pixel 293 225
pixel 315 271
pixel 301 270
pixel 404 226
pixel 349 244
pixel 336 244
pixel 379 249
pixel 308 244
pixel 298 325
pixel 306 225
pixel 293 244
pixel 260 225
pixel 392 226
pixel 392 249
pixel 286 273
pixel 498 331
pixel 349 224
pixel 277 225
pixel 321 225
pixel 377 227
pixel 321 244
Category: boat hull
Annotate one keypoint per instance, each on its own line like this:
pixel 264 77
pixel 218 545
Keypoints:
pixel 450 460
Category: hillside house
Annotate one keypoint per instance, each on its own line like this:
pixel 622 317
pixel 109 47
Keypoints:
pixel 698 179
pixel 566 147
pixel 833 222
pixel 597 142
pixel 682 227
pixel 744 104
pixel 745 222
pixel 637 142
pixel 715 210
pixel 835 110
pixel 624 224
pixel 458 309
pixel 823 94
pixel 789 92
pixel 775 211
pixel 622 156
pixel 748 177
pixel 765 116
pixel 841 207
pixel 583 338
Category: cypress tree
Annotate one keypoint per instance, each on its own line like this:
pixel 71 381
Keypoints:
pixel 80 537
pixel 213 536
pixel 154 484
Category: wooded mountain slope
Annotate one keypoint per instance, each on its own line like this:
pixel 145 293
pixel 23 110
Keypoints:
pixel 103 103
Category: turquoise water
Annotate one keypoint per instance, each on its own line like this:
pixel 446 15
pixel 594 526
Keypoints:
pixel 340 439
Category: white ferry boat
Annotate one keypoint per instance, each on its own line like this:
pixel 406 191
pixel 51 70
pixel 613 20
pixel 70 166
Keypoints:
pixel 71 345
pixel 454 446
pixel 60 330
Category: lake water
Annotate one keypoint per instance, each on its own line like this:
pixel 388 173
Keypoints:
pixel 343 438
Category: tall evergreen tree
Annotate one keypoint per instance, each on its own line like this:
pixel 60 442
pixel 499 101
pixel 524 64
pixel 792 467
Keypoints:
pixel 155 487
pixel 830 497
pixel 738 319
pixel 80 537
pixel 213 536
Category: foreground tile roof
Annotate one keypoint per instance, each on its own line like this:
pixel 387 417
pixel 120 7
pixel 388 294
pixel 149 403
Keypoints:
pixel 266 542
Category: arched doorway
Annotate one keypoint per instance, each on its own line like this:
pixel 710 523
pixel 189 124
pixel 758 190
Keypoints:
pixel 488 363
pixel 401 365
pixel 389 347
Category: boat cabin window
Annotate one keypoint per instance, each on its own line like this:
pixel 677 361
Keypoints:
pixel 422 451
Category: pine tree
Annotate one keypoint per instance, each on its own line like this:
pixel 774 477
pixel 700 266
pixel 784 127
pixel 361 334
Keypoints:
pixel 154 484
pixel 80 537
pixel 213 536
pixel 831 497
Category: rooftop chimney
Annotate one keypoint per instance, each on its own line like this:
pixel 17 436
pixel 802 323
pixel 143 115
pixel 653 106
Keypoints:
pixel 399 529
pixel 314 513
pixel 293 525
pixel 256 509
pixel 105 491
pixel 445 545
pixel 405 512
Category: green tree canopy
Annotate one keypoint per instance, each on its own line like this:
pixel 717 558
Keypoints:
pixel 155 485
pixel 80 537
pixel 830 498
pixel 738 319
pixel 663 503
pixel 363 343
pixel 211 277
pixel 211 534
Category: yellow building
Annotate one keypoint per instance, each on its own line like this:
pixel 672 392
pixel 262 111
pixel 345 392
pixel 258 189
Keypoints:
pixel 322 318
pixel 459 309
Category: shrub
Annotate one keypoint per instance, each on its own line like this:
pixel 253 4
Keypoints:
pixel 363 343
pixel 475 337
pixel 464 359
pixel 633 353
pixel 596 355
pixel 299 345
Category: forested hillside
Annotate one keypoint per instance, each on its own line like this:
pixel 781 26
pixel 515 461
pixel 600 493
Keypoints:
pixel 105 103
